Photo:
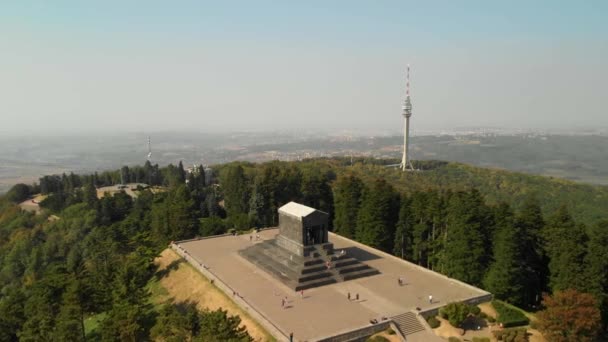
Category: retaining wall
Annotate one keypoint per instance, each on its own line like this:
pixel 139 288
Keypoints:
pixel 199 265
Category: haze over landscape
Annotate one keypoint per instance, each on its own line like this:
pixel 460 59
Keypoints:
pixel 113 66
pixel 265 171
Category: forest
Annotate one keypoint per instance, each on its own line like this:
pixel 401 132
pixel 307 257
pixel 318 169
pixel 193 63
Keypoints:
pixel 515 235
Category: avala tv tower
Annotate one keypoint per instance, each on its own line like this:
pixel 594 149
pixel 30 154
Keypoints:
pixel 406 163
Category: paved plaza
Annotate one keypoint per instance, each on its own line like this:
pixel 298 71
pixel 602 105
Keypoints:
pixel 326 310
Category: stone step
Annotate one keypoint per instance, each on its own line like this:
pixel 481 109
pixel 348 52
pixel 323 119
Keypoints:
pixel 300 273
pixel 313 268
pixel 359 274
pixel 343 262
pixel 315 275
pixel 408 323
pixel 315 283
pixel 352 268
pixel 288 276
pixel 270 264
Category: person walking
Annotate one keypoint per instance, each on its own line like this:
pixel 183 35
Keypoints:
pixel 357 297
pixel 283 303
pixel 348 296
pixel 302 294
pixel 290 337
pixel 430 299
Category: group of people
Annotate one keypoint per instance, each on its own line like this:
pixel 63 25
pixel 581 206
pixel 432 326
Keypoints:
pixel 349 296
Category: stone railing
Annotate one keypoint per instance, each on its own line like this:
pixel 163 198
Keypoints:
pixel 275 331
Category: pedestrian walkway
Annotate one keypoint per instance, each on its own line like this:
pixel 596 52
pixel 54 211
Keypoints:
pixel 326 310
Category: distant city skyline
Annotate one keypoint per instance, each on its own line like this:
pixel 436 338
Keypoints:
pixel 71 66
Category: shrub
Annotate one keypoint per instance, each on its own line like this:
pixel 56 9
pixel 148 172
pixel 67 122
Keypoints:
pixel 512 335
pixel 433 322
pixel 377 339
pixel 475 310
pixel 456 313
pixel 18 193
pixel 453 339
pixel 481 339
pixel 390 331
pixel 483 315
pixel 508 315
pixel 491 319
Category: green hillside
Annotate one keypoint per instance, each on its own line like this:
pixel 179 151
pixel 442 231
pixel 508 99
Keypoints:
pixel 587 203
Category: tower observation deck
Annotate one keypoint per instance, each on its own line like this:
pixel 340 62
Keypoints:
pixel 406 163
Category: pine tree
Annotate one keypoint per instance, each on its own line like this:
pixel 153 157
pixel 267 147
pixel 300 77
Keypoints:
pixel 235 188
pixel 596 266
pixel 421 227
pixel 565 246
pixel 70 321
pixel 506 275
pixel 403 231
pixel 465 252
pixel 181 173
pixel 347 199
pixel 316 192
pixel 90 195
pixel 530 223
pixel 378 216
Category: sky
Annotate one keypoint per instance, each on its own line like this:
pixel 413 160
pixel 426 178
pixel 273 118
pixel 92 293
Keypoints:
pixel 121 66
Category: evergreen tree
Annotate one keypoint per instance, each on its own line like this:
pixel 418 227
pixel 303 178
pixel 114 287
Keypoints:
pixel 18 193
pixel 506 275
pixel 90 195
pixel 219 326
pixel 171 326
pixel 12 314
pixel 347 199
pixel 181 173
pixel 235 188
pixel 174 218
pixel 596 266
pixel 464 254
pixel 421 226
pixel 70 321
pixel 316 192
pixel 267 188
pixel 403 231
pixel 378 215
pixel 565 246
pixel 530 223
pixel 256 206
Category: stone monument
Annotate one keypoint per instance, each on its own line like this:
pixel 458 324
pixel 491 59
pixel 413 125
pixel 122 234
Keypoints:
pixel 301 255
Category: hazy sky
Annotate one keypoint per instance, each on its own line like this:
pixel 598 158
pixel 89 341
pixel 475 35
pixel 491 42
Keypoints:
pixel 256 65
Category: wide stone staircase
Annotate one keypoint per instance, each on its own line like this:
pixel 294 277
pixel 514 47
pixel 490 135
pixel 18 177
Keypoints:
pixel 304 272
pixel 408 323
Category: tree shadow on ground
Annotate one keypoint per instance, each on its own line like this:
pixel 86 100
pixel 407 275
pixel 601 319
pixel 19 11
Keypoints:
pixel 474 323
pixel 160 274
pixel 358 253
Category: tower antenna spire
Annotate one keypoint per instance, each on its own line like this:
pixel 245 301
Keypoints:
pixel 149 150
pixel 406 163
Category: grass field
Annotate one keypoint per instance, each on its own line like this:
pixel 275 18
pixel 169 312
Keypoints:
pixel 178 282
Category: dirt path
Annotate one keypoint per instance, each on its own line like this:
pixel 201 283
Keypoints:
pixel 184 283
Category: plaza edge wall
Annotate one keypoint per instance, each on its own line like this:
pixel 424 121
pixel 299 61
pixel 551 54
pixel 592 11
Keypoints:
pixel 220 284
